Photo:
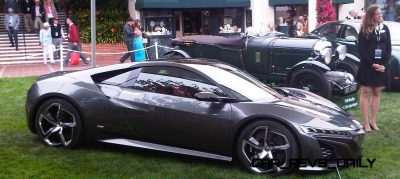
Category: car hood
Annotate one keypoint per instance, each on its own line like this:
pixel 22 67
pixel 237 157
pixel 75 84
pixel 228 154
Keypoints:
pixel 330 115
pixel 299 43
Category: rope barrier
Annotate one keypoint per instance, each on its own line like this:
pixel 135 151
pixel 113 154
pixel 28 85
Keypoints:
pixel 99 53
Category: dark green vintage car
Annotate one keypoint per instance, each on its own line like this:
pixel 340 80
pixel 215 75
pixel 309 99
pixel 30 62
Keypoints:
pixel 298 63
pixel 346 33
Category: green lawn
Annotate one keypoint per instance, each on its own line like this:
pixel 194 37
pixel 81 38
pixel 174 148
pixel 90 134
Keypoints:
pixel 23 156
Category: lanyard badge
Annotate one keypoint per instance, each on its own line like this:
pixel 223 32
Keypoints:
pixel 378 51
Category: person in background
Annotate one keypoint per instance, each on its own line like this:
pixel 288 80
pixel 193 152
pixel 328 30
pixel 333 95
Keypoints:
pixel 73 42
pixel 57 34
pixel 73 18
pixel 352 15
pixel 27 9
pixel 10 4
pixel 47 44
pixel 128 38
pixel 50 11
pixel 38 12
pixel 375 48
pixel 300 27
pixel 11 23
pixel 140 55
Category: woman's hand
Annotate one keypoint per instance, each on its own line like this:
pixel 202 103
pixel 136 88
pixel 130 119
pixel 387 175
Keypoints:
pixel 378 68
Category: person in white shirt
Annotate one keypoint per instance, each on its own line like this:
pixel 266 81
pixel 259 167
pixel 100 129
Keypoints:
pixel 47 43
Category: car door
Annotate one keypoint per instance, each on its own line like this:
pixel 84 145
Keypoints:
pixel 161 108
pixel 349 38
pixel 109 114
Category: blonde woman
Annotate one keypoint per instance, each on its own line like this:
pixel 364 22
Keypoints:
pixel 50 11
pixel 46 41
pixel 375 49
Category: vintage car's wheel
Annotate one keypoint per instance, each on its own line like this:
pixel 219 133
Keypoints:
pixel 264 141
pixel 312 80
pixel 58 124
pixel 348 67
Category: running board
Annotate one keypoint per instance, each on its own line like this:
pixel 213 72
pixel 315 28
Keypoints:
pixel 145 145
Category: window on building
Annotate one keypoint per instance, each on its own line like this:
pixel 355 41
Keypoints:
pixel 157 22
pixel 231 20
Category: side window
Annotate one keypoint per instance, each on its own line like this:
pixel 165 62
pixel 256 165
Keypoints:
pixel 122 77
pixel 350 31
pixel 330 30
pixel 174 81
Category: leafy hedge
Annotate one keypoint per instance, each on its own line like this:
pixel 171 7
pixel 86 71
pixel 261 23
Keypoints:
pixel 109 25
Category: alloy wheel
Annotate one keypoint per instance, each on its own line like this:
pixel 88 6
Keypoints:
pixel 266 143
pixel 56 125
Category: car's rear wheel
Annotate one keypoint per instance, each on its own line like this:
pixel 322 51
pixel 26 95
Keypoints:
pixel 58 124
pixel 265 141
pixel 346 66
pixel 312 80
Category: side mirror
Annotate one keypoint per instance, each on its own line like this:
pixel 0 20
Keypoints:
pixel 211 97
pixel 351 39
pixel 207 96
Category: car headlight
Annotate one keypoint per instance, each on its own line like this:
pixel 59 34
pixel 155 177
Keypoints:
pixel 341 51
pixel 314 130
pixel 327 55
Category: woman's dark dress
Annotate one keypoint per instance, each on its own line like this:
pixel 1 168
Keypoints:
pixel 367 76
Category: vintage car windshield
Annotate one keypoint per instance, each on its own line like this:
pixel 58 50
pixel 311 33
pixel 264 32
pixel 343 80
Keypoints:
pixel 238 82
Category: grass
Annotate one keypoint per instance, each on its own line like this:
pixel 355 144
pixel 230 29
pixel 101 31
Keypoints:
pixel 22 155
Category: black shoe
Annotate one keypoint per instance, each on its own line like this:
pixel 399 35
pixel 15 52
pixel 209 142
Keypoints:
pixel 12 45
pixel 121 61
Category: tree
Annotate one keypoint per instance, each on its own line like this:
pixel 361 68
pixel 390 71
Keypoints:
pixel 325 12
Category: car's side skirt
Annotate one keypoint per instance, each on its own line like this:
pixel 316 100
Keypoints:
pixel 146 145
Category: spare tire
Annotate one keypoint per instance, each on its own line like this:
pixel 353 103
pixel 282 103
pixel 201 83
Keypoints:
pixel 312 80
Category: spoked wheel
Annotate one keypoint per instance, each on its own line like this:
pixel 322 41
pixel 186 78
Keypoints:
pixel 58 124
pixel 265 147
pixel 312 80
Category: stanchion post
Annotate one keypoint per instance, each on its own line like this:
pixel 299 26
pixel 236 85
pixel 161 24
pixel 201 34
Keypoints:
pixel 61 57
pixel 156 49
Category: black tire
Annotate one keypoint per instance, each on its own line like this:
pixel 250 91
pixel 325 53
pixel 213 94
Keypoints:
pixel 58 123
pixel 277 135
pixel 346 66
pixel 312 80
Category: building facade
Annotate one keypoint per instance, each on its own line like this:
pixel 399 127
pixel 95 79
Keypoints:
pixel 177 18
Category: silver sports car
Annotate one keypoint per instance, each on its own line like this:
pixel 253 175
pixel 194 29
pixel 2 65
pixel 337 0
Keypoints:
pixel 194 107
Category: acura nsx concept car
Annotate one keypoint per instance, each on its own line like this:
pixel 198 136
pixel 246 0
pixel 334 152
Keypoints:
pixel 195 107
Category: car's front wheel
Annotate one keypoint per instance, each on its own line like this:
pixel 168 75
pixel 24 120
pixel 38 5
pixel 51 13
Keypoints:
pixel 266 147
pixel 58 124
pixel 312 80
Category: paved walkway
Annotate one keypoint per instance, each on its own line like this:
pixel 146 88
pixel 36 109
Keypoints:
pixel 36 69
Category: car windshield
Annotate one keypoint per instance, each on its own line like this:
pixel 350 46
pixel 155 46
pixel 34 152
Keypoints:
pixel 238 82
